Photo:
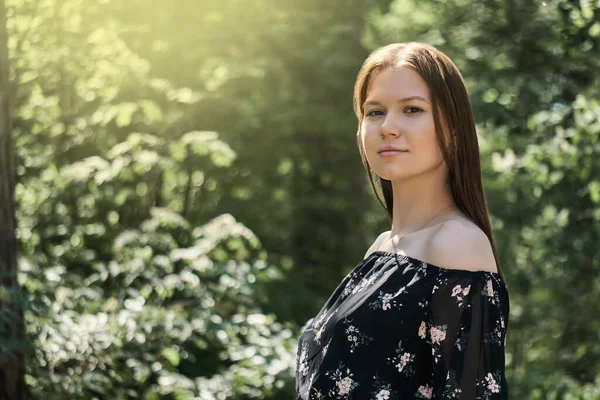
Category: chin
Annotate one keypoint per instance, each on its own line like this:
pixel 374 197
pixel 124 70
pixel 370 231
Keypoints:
pixel 395 177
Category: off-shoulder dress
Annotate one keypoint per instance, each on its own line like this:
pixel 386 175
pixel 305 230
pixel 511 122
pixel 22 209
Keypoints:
pixel 398 328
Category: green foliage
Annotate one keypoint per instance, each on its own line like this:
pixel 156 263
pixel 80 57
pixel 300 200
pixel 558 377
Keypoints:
pixel 143 302
pixel 132 293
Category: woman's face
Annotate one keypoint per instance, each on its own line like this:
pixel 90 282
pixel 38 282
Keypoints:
pixel 398 112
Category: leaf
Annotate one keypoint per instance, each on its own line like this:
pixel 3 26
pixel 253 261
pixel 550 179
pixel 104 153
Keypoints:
pixel 125 113
pixel 171 355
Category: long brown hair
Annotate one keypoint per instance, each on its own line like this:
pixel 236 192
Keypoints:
pixel 453 121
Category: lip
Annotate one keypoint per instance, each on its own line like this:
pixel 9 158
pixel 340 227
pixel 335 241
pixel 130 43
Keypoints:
pixel 388 150
pixel 391 153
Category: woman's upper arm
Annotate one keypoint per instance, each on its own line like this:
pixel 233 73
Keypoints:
pixel 468 325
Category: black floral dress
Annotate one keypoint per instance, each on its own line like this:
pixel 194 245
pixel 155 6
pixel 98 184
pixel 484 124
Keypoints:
pixel 397 328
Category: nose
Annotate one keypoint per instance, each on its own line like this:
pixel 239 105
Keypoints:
pixel 390 125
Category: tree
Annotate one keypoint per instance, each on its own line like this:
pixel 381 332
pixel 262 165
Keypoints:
pixel 132 292
pixel 12 365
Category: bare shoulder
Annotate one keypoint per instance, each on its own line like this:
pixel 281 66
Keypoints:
pixel 377 242
pixel 459 244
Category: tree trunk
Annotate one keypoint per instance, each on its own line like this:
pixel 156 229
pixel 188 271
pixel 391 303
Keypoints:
pixel 12 365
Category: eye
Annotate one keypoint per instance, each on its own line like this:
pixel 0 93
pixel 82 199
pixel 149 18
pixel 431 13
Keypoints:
pixel 414 110
pixel 371 113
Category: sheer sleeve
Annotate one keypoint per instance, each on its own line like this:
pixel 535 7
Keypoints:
pixel 467 324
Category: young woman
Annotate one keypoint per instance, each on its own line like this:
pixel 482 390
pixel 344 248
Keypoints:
pixel 425 314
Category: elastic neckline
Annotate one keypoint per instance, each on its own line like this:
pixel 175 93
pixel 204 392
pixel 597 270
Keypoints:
pixel 436 267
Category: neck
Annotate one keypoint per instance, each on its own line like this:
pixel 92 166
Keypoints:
pixel 417 200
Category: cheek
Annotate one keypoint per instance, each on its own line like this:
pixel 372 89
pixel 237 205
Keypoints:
pixel 424 133
pixel 366 136
pixel 369 140
pixel 423 125
pixel 369 133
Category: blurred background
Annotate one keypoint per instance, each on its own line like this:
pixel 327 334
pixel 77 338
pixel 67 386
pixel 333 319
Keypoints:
pixel 189 190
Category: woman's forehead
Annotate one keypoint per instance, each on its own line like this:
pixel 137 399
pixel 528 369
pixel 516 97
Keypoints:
pixel 399 82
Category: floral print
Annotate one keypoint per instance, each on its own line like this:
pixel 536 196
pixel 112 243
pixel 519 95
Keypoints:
pixel 494 337
pixel 423 330
pixel 302 360
pixel 355 337
pixel 383 395
pixel 323 327
pixel 488 388
pixel 492 385
pixel 460 293
pixel 424 392
pixel 403 361
pixel 490 292
pixel 366 282
pixel 384 301
pixel 382 390
pixel 366 343
pixel 437 333
pixel 344 384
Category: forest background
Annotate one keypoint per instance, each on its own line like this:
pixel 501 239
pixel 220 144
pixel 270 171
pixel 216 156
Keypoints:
pixel 188 189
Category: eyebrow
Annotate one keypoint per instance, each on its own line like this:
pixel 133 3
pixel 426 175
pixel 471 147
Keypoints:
pixel 404 100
